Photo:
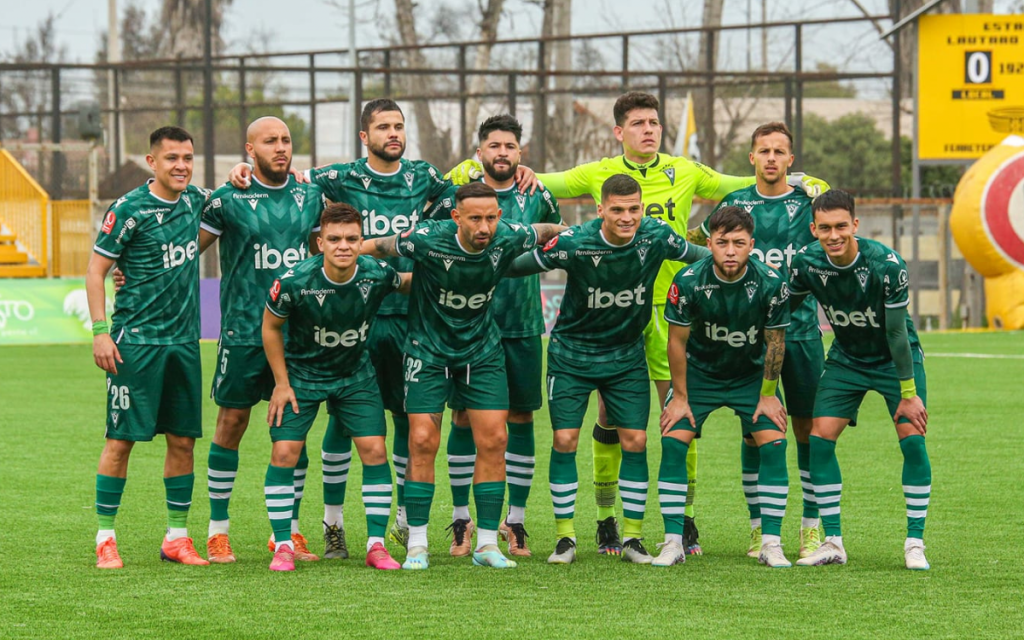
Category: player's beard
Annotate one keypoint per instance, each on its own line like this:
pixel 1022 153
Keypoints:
pixel 267 169
pixel 500 175
pixel 382 151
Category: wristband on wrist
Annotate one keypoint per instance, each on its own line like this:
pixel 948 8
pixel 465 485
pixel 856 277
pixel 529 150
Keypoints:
pixel 100 327
pixel 769 387
pixel 908 389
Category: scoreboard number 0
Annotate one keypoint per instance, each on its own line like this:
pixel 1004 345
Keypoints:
pixel 977 67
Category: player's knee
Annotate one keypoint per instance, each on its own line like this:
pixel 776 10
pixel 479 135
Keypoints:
pixel 423 441
pixel 492 444
pixel 633 440
pixel 565 440
pixel 231 426
pixel 116 452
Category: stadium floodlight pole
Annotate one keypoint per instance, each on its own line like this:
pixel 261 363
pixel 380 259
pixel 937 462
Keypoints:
pixel 113 55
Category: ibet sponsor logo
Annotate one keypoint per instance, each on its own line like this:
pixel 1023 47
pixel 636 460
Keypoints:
pixel 376 225
pixel 731 338
pixel 776 256
pixel 598 298
pixel 266 257
pixel 658 210
pixel 457 301
pixel 332 339
pixel 108 222
pixel 176 255
pixel 839 318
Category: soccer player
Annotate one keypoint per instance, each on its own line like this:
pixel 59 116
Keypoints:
pixel 782 226
pixel 517 310
pixel 453 350
pixel 263 231
pixel 150 350
pixel 726 347
pixel 391 193
pixel 862 285
pixel 328 303
pixel 597 344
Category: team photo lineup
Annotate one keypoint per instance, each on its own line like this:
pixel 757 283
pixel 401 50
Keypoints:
pixel 390 288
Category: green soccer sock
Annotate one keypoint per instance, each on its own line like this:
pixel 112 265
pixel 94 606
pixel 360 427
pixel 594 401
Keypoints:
pixel 377 498
pixel 672 476
pixel 803 463
pixel 178 490
pixel 607 460
pixel 691 473
pixel 827 481
pixel 220 479
pixel 279 491
pixel 773 486
pixel 750 463
pixel 300 484
pixel 633 481
pixel 489 498
pixel 520 459
pixel 917 483
pixel 564 483
pixel 400 456
pixel 461 462
pixel 336 456
pixel 419 496
pixel 108 499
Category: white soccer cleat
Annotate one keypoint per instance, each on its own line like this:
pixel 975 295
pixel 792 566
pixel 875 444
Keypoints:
pixel 913 552
pixel 771 555
pixel 565 552
pixel 828 553
pixel 671 553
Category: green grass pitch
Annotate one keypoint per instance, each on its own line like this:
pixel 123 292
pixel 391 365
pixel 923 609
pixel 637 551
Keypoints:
pixel 51 436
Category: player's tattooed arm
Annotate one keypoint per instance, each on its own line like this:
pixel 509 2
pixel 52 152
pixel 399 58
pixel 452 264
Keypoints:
pixel 768 404
pixel 545 231
pixel 697 237
pixel 406 285
pixel 524 265
pixel 775 352
pixel 386 247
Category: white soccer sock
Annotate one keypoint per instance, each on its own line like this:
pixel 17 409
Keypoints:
pixel 372 541
pixel 460 513
pixel 283 543
pixel 103 534
pixel 836 540
pixel 295 526
pixel 418 536
pixel 334 514
pixel 173 533
pixel 674 537
pixel 808 523
pixel 767 539
pixel 909 542
pixel 485 537
pixel 400 518
pixel 755 523
pixel 218 527
pixel 516 515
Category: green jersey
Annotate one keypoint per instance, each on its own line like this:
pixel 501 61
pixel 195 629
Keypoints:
pixel 608 292
pixel 263 231
pixel 329 322
pixel 155 243
pixel 517 304
pixel 782 226
pixel 450 318
pixel 855 298
pixel 669 184
pixel 727 319
pixel 389 203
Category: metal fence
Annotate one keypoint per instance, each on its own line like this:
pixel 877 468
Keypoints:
pixel 24 208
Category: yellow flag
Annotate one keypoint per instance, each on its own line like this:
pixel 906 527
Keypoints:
pixel 686 144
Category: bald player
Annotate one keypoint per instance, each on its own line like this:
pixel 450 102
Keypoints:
pixel 264 231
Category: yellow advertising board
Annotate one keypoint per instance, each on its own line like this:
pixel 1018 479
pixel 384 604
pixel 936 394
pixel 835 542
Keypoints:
pixel 970 84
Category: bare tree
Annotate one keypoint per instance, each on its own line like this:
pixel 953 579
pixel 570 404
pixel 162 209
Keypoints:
pixel 28 92
pixel 490 14
pixel 560 124
pixel 184 22
pixel 703 98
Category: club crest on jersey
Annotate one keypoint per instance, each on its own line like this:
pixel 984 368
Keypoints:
pixel 751 290
pixel 448 263
pixel 862 277
pixel 364 290
pixel 641 253
pixel 496 257
pixel 409 177
pixel 114 415
pixel 521 200
pixel 299 198
pixel 188 203
pixel 108 222
pixel 670 173
pixel 366 181
pixel 791 208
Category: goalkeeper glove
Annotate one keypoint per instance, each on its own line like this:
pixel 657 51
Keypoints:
pixel 812 186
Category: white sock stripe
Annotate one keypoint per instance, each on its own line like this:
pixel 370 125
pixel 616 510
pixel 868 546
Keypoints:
pixel 220 496
pixel 826 499
pixel 377 488
pixel 807 486
pixel 917 513
pixel 336 479
pixel 633 496
pixel 672 486
pixel 221 485
pixel 378 511
pixel 781 490
pixel 284 515
pixel 828 488
pixel 462 459
pixel 299 484
pixel 562 488
pixel 773 512
pixel 298 495
pixel 376 499
pixel 461 482
pixel 778 502
pixel 634 506
pixel 336 468
pixel 917 502
pixel 217 473
pixel 180 504
pixel 280 503
pixel 399 460
pixel 563 499
pixel 399 470
pixel 519 482
pixel 829 511
pixel 277 489
pixel 805 475
pixel 671 498
pixel 673 511
pixel 562 511
pixel 526 471
pixel 335 457
pixel 749 477
pixel 515 457
pixel 909 488
pixel 632 484
pixel 400 481
pixel 299 473
pixel 108 506
pixel 808 496
pixel 752 500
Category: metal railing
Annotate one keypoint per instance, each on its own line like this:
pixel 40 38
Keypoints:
pixel 23 211
pixel 73 236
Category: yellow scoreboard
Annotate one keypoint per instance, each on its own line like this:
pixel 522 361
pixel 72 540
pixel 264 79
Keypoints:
pixel 970 84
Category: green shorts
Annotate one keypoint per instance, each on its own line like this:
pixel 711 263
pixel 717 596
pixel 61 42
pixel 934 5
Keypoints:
pixel 842 388
pixel 243 377
pixel 656 344
pixel 801 370
pixel 481 385
pixel 708 394
pixel 157 389
pixel 355 405
pixel 524 362
pixel 624 387
pixel 385 343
